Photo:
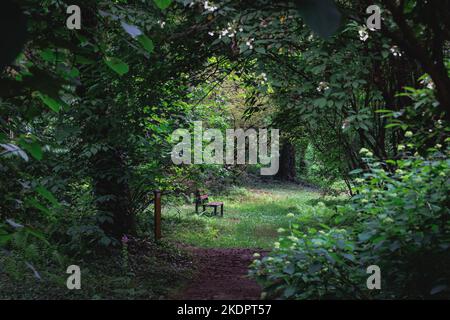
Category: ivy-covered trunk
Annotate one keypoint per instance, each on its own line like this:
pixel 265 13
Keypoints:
pixel 112 193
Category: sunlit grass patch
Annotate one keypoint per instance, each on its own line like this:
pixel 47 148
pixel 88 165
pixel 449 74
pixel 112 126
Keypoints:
pixel 251 219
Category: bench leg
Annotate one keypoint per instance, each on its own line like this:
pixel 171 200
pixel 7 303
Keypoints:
pixel 215 210
pixel 221 210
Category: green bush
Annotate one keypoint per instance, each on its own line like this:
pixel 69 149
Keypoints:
pixel 399 222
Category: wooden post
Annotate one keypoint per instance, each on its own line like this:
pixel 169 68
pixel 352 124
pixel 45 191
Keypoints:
pixel 157 224
pixel 197 200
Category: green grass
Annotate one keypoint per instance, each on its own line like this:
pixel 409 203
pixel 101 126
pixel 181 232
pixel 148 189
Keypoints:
pixel 251 219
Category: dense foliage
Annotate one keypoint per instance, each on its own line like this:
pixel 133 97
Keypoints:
pixel 398 221
pixel 86 118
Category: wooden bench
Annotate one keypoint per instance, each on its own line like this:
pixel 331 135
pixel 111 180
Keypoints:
pixel 202 200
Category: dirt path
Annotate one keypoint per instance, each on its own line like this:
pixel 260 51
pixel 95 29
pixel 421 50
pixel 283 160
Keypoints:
pixel 221 275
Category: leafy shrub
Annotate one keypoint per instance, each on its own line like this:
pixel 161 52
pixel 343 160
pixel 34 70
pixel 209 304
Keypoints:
pixel 400 223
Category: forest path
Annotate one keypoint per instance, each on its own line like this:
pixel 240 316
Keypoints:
pixel 222 248
pixel 221 275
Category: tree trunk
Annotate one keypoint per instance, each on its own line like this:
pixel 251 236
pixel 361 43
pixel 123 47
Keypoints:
pixel 112 193
pixel 287 170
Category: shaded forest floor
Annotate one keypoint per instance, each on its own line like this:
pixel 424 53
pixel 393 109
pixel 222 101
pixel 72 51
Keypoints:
pixel 221 275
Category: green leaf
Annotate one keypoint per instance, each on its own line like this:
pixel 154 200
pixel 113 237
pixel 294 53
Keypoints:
pixel 314 268
pixel 47 195
pixel 39 235
pixel 321 102
pixel 289 269
pixel 318 69
pixel 50 102
pixel 48 55
pixel 409 6
pixel 365 236
pixel 146 43
pixel 349 256
pixel 163 4
pixel 393 125
pixel 104 241
pixel 260 50
pixel 289 291
pixel 33 202
pixel 356 171
pixel 117 65
pixel 33 148
pixel 5 238
pixel 83 60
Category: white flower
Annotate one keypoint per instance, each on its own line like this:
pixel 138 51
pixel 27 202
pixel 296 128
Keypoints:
pixel 396 51
pixel 408 134
pixel 280 230
pixel 323 86
pixel 211 33
pixel 249 43
pixel 401 147
pixel 428 82
pixel 290 215
pixel 256 255
pixel 345 124
pixel 208 7
pixel 363 34
pixel 276 245
pixel 162 24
